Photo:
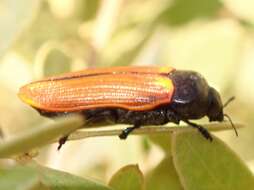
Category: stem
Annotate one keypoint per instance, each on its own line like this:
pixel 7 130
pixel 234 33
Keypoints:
pixel 86 133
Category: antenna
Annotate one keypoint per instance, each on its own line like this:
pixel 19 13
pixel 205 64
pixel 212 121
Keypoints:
pixel 228 101
pixel 232 124
pixel 227 116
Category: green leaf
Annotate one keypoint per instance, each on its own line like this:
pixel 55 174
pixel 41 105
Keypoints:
pixel 57 180
pixel 38 136
pixel 15 15
pixel 128 177
pixel 35 177
pixel 182 11
pixel 163 141
pixel 20 178
pixel 163 177
pixel 202 164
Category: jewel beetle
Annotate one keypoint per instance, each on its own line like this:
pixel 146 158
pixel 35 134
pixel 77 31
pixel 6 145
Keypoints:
pixel 128 95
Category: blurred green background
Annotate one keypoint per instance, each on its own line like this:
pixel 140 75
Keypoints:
pixel 45 37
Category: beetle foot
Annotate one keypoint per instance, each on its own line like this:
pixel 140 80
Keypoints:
pixel 125 133
pixel 61 142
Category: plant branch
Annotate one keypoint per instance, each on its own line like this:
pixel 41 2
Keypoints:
pixel 99 132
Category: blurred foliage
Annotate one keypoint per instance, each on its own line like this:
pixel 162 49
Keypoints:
pixel 45 37
pixel 182 11
pixel 14 17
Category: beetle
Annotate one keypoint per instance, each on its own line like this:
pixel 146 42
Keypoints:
pixel 128 95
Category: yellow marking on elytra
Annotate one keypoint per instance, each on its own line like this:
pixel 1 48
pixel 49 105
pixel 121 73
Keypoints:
pixel 27 100
pixel 164 82
pixel 164 69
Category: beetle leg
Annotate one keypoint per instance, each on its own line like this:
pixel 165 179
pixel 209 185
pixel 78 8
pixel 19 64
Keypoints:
pixel 201 129
pixel 62 141
pixel 127 131
pixel 172 117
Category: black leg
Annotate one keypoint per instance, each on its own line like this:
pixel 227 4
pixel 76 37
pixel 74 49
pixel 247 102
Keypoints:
pixel 62 141
pixel 201 129
pixel 172 117
pixel 127 131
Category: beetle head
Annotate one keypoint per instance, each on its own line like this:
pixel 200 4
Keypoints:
pixel 215 108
